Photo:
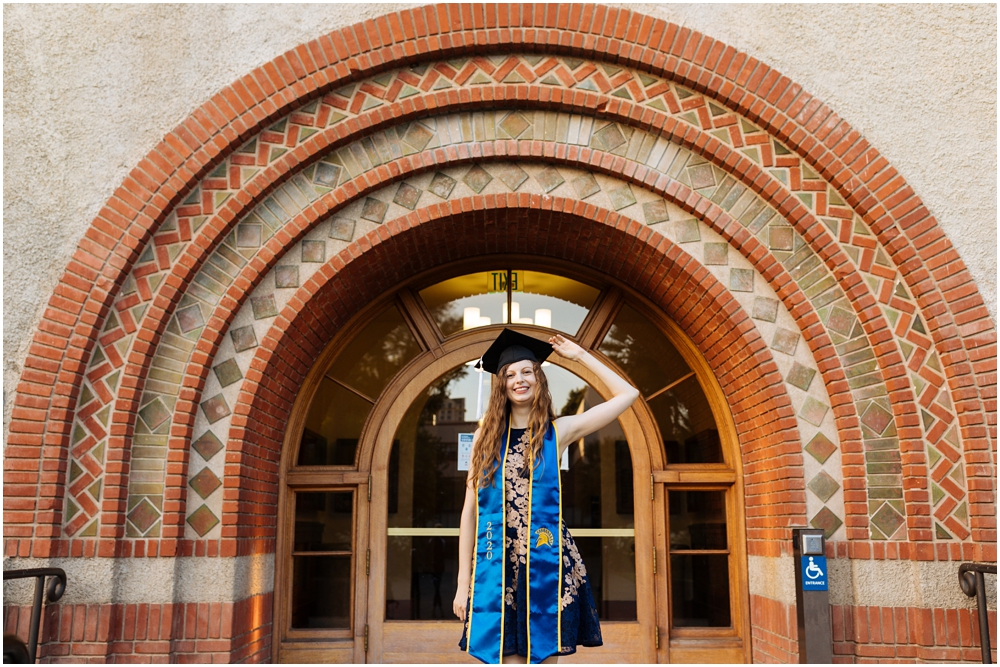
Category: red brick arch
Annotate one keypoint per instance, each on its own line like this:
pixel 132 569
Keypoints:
pixel 575 231
pixel 806 318
pixel 50 383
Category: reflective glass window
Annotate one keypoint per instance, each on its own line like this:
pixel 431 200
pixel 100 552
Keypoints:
pixel 346 394
pixel 480 299
pixel 700 590
pixel 375 355
pixel 699 558
pixel 427 490
pixel 333 426
pixel 687 424
pixel 321 560
pixel 643 352
pixel 697 520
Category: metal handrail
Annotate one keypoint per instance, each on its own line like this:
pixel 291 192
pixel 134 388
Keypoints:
pixel 56 588
pixel 973 582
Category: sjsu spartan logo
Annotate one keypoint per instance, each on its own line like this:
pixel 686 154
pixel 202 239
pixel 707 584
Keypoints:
pixel 544 537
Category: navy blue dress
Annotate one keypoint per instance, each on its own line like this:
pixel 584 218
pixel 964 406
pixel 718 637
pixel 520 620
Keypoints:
pixel 580 624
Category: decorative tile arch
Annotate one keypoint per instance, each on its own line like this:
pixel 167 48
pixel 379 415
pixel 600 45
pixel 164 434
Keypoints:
pixel 629 88
pixel 146 514
pixel 552 227
pixel 112 324
pixel 232 356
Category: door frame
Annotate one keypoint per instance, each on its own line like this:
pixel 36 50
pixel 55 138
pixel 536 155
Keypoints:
pixel 369 476
pixel 465 347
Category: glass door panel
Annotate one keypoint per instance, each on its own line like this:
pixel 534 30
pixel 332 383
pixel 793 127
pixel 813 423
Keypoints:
pixel 427 490
pixel 699 559
pixel 321 560
pixel 426 494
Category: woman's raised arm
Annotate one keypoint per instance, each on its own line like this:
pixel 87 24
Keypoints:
pixel 623 394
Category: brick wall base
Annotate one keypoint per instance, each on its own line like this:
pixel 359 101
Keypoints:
pixel 151 633
pixel 908 634
pixel 873 634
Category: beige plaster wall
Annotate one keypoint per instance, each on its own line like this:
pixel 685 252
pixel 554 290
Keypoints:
pixel 88 90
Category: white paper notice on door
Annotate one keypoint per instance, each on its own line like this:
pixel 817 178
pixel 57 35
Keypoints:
pixel 464 450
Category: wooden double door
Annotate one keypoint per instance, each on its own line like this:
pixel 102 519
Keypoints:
pixel 368 532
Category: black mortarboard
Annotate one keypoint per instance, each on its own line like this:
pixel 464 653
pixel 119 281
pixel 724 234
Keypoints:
pixel 511 346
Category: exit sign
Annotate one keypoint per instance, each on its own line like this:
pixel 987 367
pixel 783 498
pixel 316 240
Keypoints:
pixel 496 281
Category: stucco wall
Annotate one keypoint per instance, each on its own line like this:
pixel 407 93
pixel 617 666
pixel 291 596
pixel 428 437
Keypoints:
pixel 90 89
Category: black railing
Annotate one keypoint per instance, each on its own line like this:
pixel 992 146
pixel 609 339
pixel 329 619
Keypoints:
pixel 56 588
pixel 971 577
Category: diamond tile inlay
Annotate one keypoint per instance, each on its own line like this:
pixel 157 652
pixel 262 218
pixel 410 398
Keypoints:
pixel 655 212
pixel 215 408
pixel 202 520
pixel 741 280
pixel 407 196
pixel 785 341
pixel 511 175
pixel 823 486
pixel 205 483
pixel 313 251
pixel 342 229
pixel 887 520
pixel 702 176
pixel 442 185
pixel 621 197
pixel 228 372
pixel 327 175
pixel 477 179
pixel 154 414
pixel 716 254
pixel 243 338
pixel 608 138
pixel 549 179
pixel 781 238
pixel 263 307
pixel 876 418
pixel 248 236
pixel 765 309
pixel 813 411
pixel 190 318
pixel 800 376
pixel 827 521
pixel 585 186
pixel 374 210
pixel 936 415
pixel 418 136
pixel 208 445
pixel 514 124
pixel 687 231
pixel 144 515
pixel 286 276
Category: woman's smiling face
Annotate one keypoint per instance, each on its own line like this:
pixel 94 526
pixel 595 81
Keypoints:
pixel 520 380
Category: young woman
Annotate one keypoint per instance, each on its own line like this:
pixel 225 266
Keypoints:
pixel 522 586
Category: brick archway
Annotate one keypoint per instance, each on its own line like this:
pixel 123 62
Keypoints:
pixel 924 299
pixel 560 229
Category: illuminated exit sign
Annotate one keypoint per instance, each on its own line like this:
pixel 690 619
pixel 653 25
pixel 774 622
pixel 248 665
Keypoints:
pixel 496 281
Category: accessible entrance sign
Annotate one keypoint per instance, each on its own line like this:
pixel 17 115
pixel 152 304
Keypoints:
pixel 814 573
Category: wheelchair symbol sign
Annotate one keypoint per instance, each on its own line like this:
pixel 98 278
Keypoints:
pixel 814 573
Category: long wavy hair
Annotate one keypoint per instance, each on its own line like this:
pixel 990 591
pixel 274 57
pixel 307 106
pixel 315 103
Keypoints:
pixel 488 457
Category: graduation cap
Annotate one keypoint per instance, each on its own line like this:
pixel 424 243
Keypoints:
pixel 511 346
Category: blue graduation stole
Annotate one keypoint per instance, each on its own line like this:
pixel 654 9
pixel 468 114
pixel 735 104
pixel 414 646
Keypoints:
pixel 543 561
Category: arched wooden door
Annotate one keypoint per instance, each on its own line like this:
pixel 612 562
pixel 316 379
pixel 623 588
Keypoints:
pixel 373 482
